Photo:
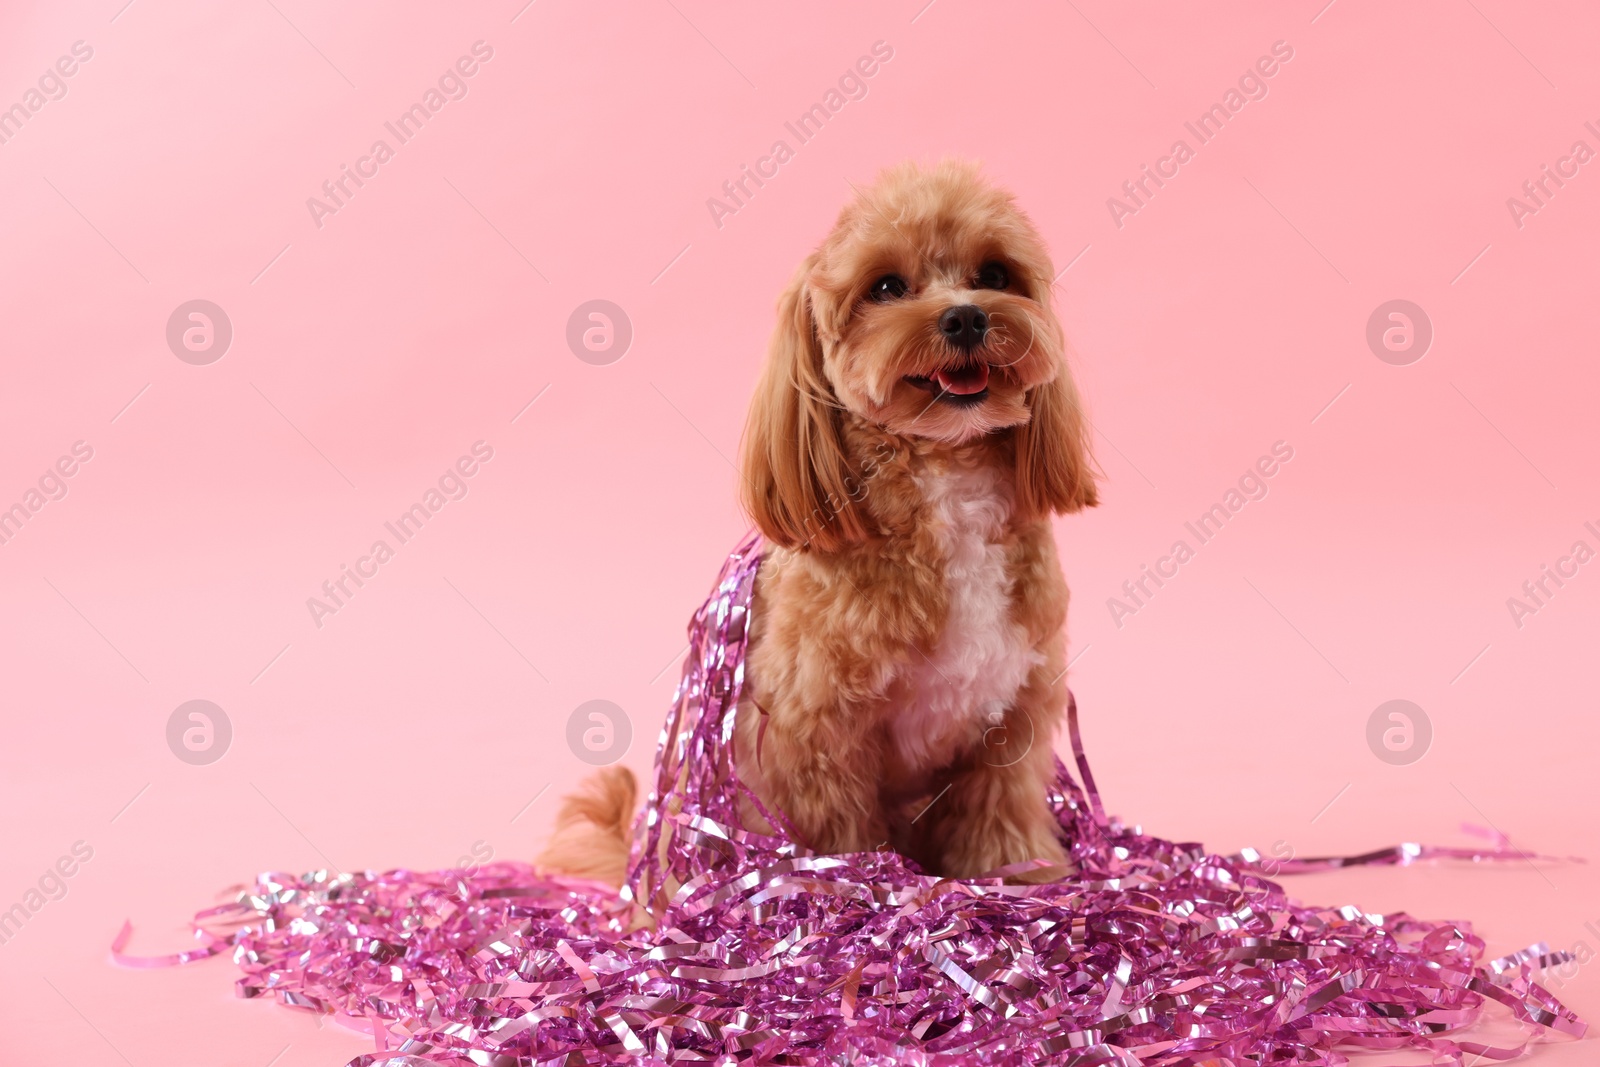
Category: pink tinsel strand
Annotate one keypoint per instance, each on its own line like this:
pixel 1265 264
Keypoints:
pixel 758 951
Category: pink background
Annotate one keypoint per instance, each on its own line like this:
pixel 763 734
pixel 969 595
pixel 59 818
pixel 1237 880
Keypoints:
pixel 371 352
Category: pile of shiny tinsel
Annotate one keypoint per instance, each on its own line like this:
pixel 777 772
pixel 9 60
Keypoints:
pixel 757 951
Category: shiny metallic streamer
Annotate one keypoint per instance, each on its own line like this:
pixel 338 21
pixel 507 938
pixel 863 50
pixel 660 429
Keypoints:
pixel 728 946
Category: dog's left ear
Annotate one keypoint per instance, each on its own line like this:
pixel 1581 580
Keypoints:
pixel 1055 468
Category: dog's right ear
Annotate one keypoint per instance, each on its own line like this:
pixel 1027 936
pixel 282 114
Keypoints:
pixel 795 481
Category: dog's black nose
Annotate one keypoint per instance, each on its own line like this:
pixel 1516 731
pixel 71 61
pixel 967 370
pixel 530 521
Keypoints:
pixel 964 326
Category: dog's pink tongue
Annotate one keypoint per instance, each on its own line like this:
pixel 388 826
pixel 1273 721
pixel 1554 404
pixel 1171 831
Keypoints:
pixel 973 378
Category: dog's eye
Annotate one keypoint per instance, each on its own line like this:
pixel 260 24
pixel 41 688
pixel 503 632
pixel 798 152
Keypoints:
pixel 993 276
pixel 888 287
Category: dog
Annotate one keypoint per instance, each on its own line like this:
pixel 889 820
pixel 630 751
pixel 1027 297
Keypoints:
pixel 914 429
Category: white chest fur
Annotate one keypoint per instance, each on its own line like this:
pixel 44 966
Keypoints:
pixel 982 657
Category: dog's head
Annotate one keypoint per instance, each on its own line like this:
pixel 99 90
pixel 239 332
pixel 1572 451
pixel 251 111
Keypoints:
pixel 925 312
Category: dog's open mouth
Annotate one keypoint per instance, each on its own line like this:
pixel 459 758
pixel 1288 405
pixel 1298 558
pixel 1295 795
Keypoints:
pixel 966 384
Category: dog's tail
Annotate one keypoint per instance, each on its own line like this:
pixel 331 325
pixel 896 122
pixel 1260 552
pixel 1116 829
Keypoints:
pixel 594 828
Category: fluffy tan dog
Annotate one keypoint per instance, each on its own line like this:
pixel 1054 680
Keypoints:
pixel 914 429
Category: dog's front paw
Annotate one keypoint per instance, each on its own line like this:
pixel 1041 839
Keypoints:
pixel 1009 860
pixel 1058 869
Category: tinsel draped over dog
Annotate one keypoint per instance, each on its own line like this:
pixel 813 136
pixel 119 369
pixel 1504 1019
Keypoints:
pixel 760 952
